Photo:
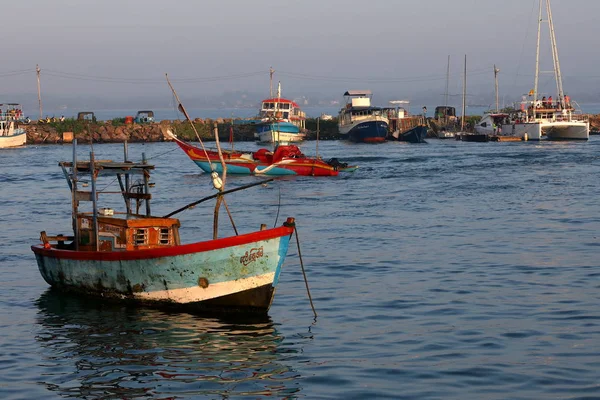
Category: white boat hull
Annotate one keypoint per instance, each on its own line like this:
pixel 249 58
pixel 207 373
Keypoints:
pixel 566 130
pixel 14 140
pixel 280 137
pixel 558 130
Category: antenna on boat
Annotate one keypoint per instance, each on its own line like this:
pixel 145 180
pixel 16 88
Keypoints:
pixel 317 146
pixel 271 71
pixel 464 100
pixel 496 70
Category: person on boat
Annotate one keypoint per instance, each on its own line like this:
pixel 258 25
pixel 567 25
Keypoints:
pixel 567 101
pixel 544 102
pixel 550 104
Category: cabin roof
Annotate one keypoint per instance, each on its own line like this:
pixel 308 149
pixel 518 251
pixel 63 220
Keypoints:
pixel 358 93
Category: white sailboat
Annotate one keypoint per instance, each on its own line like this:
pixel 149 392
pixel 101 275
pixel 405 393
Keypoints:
pixel 548 119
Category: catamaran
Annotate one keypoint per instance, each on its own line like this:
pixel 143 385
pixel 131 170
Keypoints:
pixel 544 118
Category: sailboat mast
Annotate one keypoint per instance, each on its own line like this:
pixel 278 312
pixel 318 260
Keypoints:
pixel 557 74
pixel 447 82
pixel 464 100
pixel 537 59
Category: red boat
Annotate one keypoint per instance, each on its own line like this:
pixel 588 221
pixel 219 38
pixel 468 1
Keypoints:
pixel 284 160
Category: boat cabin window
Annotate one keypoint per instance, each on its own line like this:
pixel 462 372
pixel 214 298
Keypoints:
pixel 484 124
pixel 163 236
pixel 140 237
pixel 284 106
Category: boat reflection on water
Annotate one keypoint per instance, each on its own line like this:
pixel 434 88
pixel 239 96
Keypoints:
pixel 97 350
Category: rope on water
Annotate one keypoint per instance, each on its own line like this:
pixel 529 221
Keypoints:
pixel 293 224
pixel 162 154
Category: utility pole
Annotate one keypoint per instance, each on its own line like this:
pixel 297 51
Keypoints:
pixel 38 70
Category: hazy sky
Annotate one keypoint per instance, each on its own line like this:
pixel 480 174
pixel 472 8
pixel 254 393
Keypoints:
pixel 89 48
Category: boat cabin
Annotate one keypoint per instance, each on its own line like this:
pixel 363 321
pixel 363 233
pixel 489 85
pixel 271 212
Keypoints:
pixel 144 117
pixel 103 229
pixel 129 233
pixel 444 112
pixel 86 116
pixel 283 110
pixel 358 98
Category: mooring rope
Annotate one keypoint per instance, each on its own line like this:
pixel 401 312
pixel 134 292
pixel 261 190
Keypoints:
pixel 302 266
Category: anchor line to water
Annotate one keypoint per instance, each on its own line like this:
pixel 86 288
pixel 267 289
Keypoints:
pixel 278 207
pixel 303 271
pixel 162 154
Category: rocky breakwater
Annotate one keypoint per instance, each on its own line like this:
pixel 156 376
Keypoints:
pixel 117 132
pixel 101 132
pixel 595 123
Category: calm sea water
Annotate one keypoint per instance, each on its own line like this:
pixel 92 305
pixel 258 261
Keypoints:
pixel 447 270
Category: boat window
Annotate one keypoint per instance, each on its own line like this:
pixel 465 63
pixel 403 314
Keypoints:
pixel 286 115
pixel 140 237
pixel 484 124
pixel 163 236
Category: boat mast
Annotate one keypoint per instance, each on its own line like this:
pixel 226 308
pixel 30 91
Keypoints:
pixel 496 70
pixel 557 74
pixel 447 82
pixel 464 99
pixel 537 60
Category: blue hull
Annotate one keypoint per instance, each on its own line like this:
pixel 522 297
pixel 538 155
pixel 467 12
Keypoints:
pixel 414 135
pixel 286 127
pixel 368 132
pixel 231 169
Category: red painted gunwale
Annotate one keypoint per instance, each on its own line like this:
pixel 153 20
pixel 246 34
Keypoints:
pixel 183 249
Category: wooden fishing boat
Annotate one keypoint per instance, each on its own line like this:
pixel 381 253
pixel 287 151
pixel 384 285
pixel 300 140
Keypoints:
pixel 136 256
pixel 284 160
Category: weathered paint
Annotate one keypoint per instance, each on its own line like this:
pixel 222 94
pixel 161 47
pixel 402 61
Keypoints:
pixel 175 274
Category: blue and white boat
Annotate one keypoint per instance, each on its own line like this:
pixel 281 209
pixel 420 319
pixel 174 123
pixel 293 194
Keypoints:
pixel 359 121
pixel 281 121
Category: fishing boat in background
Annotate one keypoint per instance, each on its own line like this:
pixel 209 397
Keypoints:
pixel 280 120
pixel 11 134
pixel 403 126
pixel 137 256
pixel 361 122
pixel 283 160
